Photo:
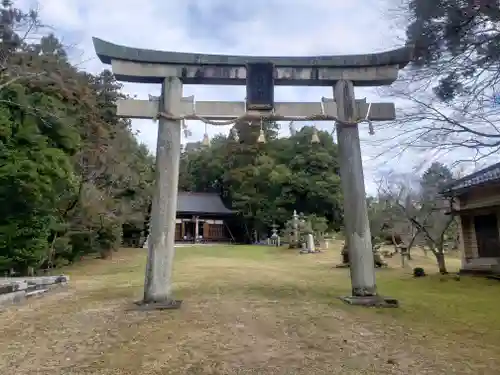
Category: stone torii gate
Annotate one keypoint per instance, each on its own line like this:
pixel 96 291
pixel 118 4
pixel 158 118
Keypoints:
pixel 260 75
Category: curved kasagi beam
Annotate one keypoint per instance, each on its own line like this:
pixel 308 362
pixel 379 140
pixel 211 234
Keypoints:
pixel 107 52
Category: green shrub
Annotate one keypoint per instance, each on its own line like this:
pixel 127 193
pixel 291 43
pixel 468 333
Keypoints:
pixel 418 272
pixel 62 248
pixel 82 243
pixel 109 237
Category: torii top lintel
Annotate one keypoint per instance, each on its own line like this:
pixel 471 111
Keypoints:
pixel 145 66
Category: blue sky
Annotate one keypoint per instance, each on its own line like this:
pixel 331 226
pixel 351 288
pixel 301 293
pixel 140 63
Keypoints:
pixel 260 27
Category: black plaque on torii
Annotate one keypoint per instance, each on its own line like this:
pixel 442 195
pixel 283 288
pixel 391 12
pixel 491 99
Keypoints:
pixel 260 86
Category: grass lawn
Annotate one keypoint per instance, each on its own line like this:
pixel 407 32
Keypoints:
pixel 254 310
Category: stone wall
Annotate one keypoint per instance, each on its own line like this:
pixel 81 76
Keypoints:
pixel 17 289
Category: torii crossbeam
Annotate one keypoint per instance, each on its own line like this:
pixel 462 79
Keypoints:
pixel 189 109
pixel 260 74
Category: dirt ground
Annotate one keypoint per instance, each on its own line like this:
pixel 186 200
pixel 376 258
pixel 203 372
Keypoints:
pixel 248 311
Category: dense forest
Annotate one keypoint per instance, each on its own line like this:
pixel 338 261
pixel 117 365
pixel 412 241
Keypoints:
pixel 72 175
pixel 266 182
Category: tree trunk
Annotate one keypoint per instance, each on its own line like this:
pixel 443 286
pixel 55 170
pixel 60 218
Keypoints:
pixel 410 245
pixel 441 263
pixel 106 253
pixel 393 239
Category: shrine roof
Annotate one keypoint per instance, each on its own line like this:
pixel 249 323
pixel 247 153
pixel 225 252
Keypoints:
pixel 201 203
pixel 106 52
pixel 482 177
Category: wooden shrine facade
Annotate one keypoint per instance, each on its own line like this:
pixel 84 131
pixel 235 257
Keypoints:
pixel 201 217
pixel 477 205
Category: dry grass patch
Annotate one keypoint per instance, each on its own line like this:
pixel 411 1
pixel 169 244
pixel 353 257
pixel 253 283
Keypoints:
pixel 253 310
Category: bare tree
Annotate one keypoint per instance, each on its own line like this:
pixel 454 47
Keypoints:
pixel 426 211
pixel 433 223
pixel 18 29
pixel 450 94
pixel 396 197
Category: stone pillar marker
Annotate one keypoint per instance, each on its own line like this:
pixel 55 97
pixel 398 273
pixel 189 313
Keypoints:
pixel 158 280
pixel 311 248
pixel 196 229
pixel 295 219
pixel 357 226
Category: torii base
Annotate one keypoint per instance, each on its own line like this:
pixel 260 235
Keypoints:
pixel 371 301
pixel 166 305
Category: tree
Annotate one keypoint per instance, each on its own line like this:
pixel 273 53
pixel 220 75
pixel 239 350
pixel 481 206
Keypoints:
pixel 265 182
pixel 389 212
pixel 72 174
pixel 36 178
pixel 17 27
pixel 434 179
pixel 450 94
pixel 426 210
pixel 463 37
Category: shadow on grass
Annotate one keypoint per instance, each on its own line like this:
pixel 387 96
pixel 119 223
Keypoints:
pixel 467 308
pixel 265 290
pixel 252 252
pixel 285 292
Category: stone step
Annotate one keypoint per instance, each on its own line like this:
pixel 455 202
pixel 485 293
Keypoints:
pixel 36 292
pixel 20 283
pixel 13 287
pixel 10 298
pixel 14 290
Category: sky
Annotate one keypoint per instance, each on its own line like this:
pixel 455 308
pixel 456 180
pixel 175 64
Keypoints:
pixel 246 27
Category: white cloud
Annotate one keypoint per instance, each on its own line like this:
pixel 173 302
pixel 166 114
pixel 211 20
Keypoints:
pixel 65 14
pixel 257 27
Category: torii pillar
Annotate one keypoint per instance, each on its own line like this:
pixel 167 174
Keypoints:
pixel 356 221
pixel 158 278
